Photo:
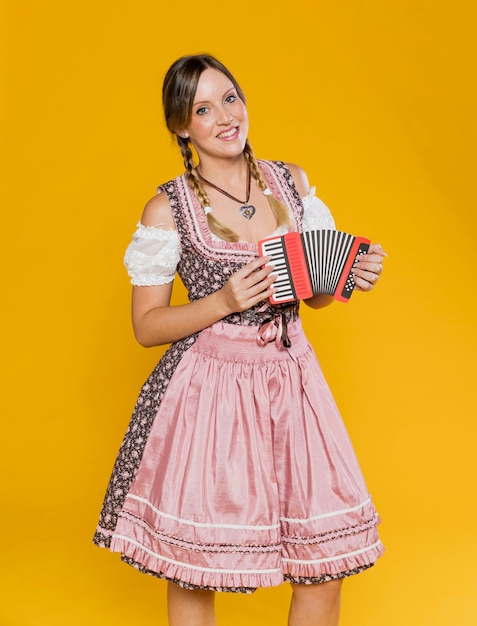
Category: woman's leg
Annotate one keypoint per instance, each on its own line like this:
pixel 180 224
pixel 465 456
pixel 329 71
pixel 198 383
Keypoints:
pixel 315 605
pixel 190 607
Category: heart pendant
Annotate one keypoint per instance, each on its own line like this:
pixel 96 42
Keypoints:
pixel 247 210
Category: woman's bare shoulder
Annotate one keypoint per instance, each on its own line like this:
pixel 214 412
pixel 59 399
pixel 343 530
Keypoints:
pixel 157 212
pixel 299 178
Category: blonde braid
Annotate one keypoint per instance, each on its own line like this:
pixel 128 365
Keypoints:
pixel 279 210
pixel 215 226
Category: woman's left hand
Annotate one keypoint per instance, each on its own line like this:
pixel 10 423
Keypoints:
pixel 369 268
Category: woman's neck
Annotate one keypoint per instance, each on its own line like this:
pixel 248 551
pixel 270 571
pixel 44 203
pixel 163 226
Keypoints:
pixel 224 171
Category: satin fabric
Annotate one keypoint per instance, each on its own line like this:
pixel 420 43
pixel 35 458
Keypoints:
pixel 248 473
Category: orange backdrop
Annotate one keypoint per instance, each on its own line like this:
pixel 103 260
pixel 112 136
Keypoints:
pixel 376 100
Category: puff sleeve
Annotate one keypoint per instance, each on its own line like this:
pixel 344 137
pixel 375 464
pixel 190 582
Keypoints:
pixel 152 256
pixel 316 215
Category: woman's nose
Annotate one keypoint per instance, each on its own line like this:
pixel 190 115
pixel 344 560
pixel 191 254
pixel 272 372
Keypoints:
pixel 224 116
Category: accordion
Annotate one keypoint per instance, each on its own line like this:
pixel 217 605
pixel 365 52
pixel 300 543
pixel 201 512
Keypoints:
pixel 313 262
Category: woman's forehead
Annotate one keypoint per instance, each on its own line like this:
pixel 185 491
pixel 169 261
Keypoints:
pixel 211 83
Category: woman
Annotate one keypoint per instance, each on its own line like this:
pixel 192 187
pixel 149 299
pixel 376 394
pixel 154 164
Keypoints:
pixel 236 471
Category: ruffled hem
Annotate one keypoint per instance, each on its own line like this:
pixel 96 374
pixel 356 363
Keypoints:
pixel 193 576
pixel 181 583
pixel 325 578
pixel 335 567
pixel 296 580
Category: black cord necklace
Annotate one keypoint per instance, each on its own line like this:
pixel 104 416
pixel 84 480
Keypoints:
pixel 247 210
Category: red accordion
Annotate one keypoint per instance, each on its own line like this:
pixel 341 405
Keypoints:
pixel 313 262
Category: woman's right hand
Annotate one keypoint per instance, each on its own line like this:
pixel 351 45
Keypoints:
pixel 250 285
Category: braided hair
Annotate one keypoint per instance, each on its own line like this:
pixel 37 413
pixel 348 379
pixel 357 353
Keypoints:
pixel 178 92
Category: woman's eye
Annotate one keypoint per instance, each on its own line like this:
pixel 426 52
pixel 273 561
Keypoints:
pixel 201 111
pixel 231 98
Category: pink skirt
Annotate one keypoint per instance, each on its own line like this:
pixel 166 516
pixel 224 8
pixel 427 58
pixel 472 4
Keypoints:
pixel 248 477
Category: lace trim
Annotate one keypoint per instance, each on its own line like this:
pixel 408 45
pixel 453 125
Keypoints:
pixel 159 231
pixel 281 230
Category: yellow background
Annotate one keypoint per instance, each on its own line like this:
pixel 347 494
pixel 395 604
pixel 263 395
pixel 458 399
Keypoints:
pixel 376 100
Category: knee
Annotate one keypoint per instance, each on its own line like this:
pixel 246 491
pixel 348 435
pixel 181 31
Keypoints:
pixel 186 606
pixel 328 592
pixel 198 597
pixel 316 603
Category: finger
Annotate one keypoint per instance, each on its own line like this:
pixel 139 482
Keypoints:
pixel 251 267
pixel 376 258
pixel 370 265
pixel 262 295
pixel 250 288
pixel 256 273
pixel 255 295
pixel 364 279
pixel 375 248
pixel 261 262
pixel 254 286
pixel 362 285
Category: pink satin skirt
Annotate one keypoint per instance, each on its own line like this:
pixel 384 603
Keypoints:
pixel 248 477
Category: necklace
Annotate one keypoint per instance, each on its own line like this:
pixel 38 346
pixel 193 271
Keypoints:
pixel 247 210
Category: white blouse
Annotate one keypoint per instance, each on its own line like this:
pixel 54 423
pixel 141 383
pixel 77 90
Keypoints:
pixel 152 256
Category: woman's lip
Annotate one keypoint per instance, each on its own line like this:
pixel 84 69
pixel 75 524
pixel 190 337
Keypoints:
pixel 230 133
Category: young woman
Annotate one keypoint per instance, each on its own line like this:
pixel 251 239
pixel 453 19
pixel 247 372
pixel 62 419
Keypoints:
pixel 236 471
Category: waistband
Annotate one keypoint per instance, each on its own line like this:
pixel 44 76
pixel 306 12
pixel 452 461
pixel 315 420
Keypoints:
pixel 232 341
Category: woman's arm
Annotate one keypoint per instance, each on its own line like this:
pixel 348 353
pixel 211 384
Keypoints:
pixel 155 322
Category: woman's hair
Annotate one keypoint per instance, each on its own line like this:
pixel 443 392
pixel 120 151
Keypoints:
pixel 178 92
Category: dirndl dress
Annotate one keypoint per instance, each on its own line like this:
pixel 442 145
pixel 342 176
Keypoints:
pixel 236 471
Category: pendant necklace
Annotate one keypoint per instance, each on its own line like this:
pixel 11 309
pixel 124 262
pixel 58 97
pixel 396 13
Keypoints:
pixel 247 210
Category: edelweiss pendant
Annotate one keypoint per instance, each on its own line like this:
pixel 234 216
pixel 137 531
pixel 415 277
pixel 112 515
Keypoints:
pixel 248 211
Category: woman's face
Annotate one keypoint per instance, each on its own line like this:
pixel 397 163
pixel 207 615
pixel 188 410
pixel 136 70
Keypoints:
pixel 219 124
